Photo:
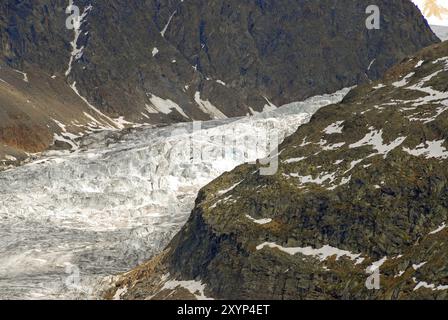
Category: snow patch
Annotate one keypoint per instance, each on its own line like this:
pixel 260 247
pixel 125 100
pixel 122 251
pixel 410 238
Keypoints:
pixel 419 64
pixel 111 124
pixel 76 53
pixel 442 227
pixel 259 221
pixel 320 179
pixel 376 265
pixel 196 288
pixel 162 33
pixel 294 160
pixel 25 76
pixel 403 81
pixel 60 125
pixel 322 254
pixel 208 108
pixel 10 157
pixel 120 292
pixel 429 149
pixel 426 285
pixel 270 106
pixel 61 138
pixel 221 192
pixel 379 86
pixel 334 128
pixel 165 106
pixel 418 266
pixel 375 139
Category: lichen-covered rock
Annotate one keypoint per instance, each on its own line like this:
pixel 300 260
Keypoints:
pixel 360 190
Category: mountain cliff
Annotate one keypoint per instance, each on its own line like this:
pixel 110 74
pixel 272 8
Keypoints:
pixel 358 208
pixel 170 61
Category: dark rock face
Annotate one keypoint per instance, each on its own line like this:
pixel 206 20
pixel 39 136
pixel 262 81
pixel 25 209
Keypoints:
pixel 235 54
pixel 364 184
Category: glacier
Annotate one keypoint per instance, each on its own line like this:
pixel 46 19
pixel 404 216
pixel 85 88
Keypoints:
pixel 70 220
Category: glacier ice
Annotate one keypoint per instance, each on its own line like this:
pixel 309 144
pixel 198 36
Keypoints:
pixel 67 220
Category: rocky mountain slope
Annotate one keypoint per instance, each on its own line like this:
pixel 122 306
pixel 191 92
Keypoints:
pixel 38 111
pixel 172 61
pixel 361 191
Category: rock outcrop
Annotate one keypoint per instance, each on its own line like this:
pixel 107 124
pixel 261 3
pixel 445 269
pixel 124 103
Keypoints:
pixel 358 208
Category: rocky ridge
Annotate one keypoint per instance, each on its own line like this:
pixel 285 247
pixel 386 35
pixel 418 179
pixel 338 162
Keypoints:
pixel 173 61
pixel 361 189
